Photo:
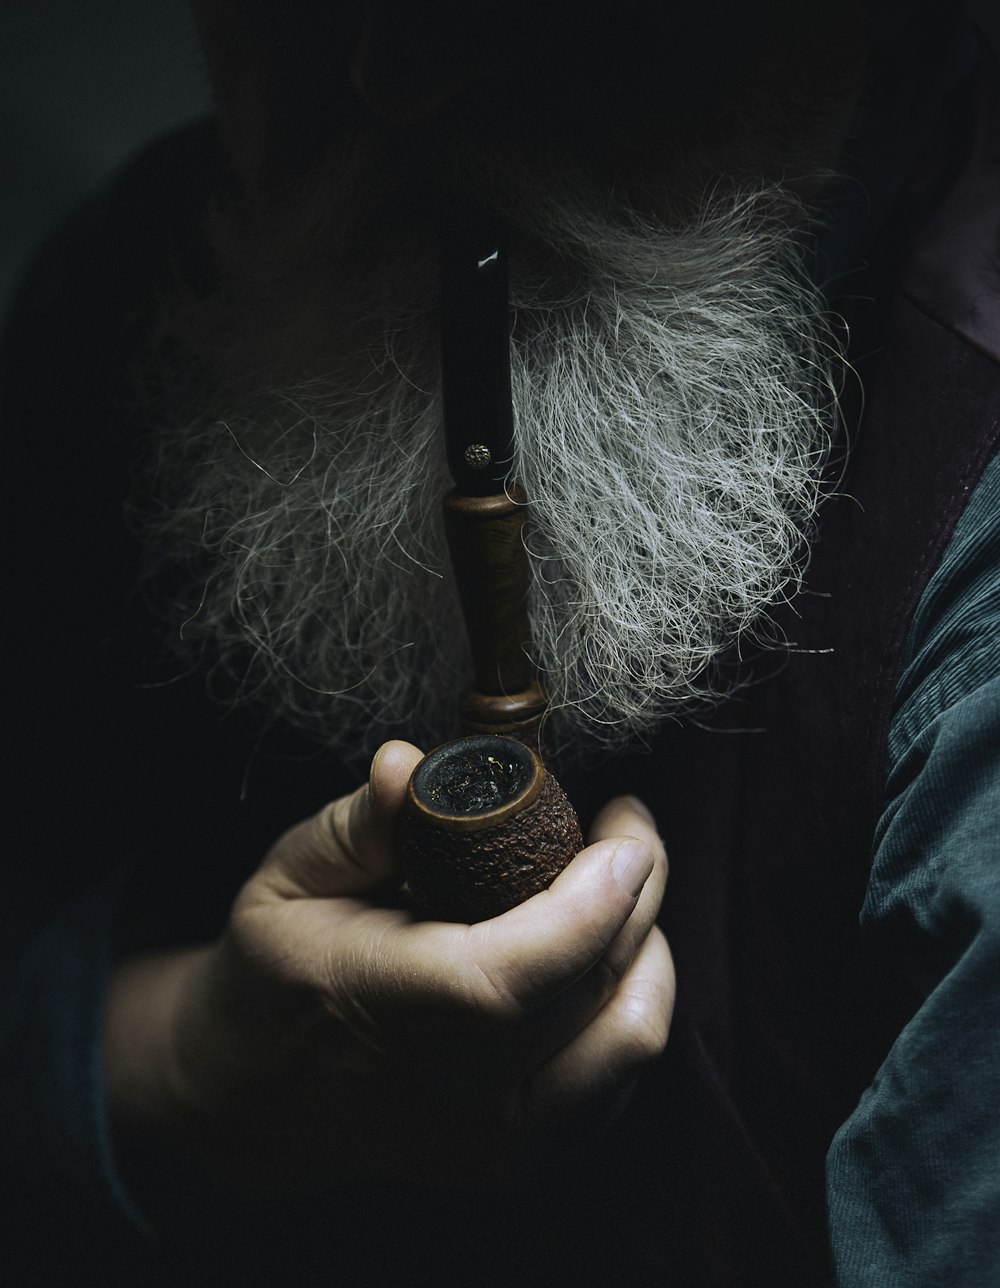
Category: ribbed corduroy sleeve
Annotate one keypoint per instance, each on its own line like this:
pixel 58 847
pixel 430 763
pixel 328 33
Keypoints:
pixel 914 1174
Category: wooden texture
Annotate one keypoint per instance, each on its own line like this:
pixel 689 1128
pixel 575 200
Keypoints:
pixel 486 541
pixel 457 875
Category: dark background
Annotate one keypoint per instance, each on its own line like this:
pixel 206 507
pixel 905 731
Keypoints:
pixel 83 84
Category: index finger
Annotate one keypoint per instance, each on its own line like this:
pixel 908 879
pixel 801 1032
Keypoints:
pixel 626 816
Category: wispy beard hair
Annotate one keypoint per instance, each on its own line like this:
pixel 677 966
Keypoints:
pixel 674 389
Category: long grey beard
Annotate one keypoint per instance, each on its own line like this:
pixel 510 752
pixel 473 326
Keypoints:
pixel 673 392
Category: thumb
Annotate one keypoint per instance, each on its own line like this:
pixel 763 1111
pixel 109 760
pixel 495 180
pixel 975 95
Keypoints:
pixel 347 848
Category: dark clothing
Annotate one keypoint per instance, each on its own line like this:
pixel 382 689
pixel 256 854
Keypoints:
pixel 832 906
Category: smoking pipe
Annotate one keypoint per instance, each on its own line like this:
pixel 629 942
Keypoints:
pixel 484 825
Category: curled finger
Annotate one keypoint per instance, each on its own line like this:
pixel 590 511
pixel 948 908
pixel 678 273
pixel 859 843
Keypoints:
pixel 576 1085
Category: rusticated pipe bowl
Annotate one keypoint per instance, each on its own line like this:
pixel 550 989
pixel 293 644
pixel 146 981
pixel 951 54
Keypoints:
pixel 484 826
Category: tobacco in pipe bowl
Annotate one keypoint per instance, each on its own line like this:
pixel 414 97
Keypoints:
pixel 484 826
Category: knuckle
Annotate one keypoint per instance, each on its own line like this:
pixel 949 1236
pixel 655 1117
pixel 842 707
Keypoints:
pixel 611 969
pixel 658 854
pixel 658 848
pixel 491 995
pixel 660 857
pixel 595 921
pixel 499 981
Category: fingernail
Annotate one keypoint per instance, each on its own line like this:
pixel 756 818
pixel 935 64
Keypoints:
pixel 632 863
pixel 641 809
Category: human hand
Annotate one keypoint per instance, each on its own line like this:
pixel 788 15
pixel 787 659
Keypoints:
pixel 331 1034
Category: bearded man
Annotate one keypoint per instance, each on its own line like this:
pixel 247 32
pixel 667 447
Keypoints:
pixel 754 348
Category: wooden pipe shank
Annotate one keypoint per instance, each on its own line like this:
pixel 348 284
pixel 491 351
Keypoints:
pixel 485 538
pixel 491 569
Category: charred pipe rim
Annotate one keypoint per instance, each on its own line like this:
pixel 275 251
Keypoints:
pixel 432 782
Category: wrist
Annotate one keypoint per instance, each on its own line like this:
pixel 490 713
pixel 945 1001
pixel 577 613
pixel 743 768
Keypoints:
pixel 151 1109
